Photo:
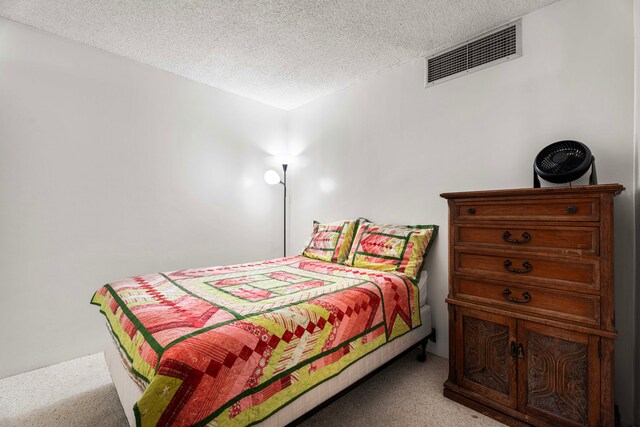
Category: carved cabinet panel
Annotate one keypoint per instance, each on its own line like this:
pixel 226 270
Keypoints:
pixel 559 375
pixel 550 374
pixel 486 365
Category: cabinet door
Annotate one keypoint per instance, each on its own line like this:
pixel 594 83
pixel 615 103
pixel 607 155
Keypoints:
pixel 484 355
pixel 559 374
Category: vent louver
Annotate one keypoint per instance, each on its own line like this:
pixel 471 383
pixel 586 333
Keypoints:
pixel 499 45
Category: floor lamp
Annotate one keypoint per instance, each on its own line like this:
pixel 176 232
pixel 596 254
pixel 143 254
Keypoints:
pixel 271 177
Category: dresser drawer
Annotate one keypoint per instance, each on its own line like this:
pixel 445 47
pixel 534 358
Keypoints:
pixel 530 299
pixel 578 209
pixel 564 240
pixel 554 272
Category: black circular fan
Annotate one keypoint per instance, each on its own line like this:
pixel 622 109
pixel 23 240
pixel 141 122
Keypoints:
pixel 562 162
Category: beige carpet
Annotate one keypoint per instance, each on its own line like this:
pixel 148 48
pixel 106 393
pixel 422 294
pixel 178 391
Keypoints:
pixel 80 393
pixel 75 393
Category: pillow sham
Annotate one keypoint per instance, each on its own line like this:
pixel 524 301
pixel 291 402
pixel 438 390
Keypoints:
pixel 388 247
pixel 331 241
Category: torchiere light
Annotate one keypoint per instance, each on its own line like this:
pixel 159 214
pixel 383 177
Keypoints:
pixel 271 177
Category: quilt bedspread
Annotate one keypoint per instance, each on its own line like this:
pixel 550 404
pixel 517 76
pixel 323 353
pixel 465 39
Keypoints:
pixel 227 346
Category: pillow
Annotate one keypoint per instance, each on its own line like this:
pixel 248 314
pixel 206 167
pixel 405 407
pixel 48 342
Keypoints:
pixel 330 242
pixel 388 247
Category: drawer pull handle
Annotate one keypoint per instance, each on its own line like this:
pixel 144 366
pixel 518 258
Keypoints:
pixel 471 210
pixel 524 238
pixel 527 267
pixel 572 209
pixel 526 297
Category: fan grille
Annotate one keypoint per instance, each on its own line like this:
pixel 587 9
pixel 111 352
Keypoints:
pixel 562 158
pixel 563 161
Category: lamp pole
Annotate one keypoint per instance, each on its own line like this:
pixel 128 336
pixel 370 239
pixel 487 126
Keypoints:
pixel 284 183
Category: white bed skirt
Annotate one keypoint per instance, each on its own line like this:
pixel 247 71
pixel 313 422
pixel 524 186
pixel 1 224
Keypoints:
pixel 129 392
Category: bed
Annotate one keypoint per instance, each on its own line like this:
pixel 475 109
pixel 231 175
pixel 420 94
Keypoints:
pixel 254 344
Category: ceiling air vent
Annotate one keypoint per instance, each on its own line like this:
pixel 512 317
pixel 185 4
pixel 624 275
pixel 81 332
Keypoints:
pixel 499 45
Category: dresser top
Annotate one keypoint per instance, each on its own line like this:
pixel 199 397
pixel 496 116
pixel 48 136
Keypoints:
pixel 577 190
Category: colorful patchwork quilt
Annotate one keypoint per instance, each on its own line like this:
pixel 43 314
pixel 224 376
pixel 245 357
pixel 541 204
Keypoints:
pixel 228 346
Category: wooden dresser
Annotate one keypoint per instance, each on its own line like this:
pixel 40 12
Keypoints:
pixel 531 318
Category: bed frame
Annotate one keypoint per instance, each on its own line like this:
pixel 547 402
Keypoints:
pixel 307 404
pixel 422 357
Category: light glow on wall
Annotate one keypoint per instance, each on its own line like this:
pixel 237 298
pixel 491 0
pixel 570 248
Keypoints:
pixel 327 185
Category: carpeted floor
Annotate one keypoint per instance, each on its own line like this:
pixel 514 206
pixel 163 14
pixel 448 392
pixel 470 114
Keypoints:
pixel 75 393
pixel 80 393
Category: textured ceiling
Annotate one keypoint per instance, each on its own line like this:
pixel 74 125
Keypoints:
pixel 283 53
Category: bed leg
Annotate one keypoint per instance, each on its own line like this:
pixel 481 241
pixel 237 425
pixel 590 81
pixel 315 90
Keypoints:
pixel 422 357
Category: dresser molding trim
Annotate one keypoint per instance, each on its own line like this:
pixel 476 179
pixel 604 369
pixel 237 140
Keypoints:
pixel 537 319
pixel 479 403
pixel 615 189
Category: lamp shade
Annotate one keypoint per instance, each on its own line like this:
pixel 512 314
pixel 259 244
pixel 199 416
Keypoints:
pixel 271 177
pixel 284 158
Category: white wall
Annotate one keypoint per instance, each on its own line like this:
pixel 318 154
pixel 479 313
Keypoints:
pixel 110 168
pixel 386 148
pixel 636 16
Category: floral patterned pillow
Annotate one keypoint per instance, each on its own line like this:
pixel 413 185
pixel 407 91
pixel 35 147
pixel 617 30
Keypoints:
pixel 388 247
pixel 331 241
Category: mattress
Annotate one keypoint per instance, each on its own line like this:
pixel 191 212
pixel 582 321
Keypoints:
pixel 129 391
pixel 422 287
